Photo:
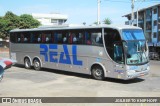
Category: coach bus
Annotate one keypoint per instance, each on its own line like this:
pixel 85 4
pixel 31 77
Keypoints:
pixel 101 51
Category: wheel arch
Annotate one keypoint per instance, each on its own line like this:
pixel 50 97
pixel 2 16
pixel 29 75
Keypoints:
pixel 28 58
pixel 101 65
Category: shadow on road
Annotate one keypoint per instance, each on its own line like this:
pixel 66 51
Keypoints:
pixel 135 80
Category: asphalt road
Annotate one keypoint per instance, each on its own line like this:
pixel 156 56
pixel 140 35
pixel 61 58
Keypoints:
pixel 20 82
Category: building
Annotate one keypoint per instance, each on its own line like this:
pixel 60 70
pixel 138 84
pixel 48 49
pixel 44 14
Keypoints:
pixel 149 21
pixel 50 19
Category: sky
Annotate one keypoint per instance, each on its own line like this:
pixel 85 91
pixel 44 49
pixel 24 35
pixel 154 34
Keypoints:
pixel 78 11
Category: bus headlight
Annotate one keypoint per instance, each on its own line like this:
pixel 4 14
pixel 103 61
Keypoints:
pixel 148 68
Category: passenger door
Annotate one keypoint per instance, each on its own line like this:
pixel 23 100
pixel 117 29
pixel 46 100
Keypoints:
pixel 119 68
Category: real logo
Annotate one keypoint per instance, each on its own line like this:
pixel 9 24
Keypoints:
pixel 50 54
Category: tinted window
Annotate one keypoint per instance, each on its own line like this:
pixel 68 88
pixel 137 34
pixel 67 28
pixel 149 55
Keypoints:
pixel 13 37
pixel 133 35
pixel 46 37
pixel 27 37
pixel 72 36
pixel 93 36
pixel 111 36
pixel 76 37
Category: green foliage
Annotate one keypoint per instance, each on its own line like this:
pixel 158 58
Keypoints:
pixel 11 21
pixel 107 21
pixel 96 23
pixel 27 21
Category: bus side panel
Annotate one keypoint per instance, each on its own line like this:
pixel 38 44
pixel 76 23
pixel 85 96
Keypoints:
pixel 79 58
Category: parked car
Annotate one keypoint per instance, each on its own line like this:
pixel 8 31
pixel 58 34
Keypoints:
pixel 154 56
pixel 4 64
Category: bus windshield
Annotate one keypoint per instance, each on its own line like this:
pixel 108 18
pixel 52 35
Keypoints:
pixel 136 52
pixel 136 49
pixel 133 34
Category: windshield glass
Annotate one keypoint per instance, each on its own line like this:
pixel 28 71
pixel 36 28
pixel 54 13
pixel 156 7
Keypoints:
pixel 136 47
pixel 132 34
pixel 136 52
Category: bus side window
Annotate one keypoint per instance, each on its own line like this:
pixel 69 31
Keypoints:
pixel 43 38
pixel 18 38
pixel 70 38
pixel 32 38
pixel 27 38
pixel 22 38
pixel 74 38
pixel 55 37
pixel 87 38
pixel 59 38
pixel 39 38
pixel 36 37
pixel 65 37
pixel 52 37
pixel 80 38
pixel 48 37
pixel 13 37
pixel 96 37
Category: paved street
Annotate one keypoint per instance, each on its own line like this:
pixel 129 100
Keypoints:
pixel 20 82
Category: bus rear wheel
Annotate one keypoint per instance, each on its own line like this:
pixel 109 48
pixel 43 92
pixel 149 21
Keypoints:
pixel 36 64
pixel 97 72
pixel 27 63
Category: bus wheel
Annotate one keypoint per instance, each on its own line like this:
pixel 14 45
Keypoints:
pixel 97 73
pixel 27 63
pixel 37 64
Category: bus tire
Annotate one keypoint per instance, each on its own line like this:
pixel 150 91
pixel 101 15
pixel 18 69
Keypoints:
pixel 36 64
pixel 97 72
pixel 27 63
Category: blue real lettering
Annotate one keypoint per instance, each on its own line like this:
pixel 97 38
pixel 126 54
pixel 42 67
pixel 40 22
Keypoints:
pixel 64 56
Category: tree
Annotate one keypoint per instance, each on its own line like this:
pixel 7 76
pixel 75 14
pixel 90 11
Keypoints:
pixel 11 21
pixel 107 21
pixel 27 21
pixel 4 29
pixel 96 23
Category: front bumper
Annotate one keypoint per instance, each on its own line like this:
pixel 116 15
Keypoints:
pixel 137 74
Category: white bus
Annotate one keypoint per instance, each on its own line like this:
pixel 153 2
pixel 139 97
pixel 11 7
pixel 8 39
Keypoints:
pixel 101 51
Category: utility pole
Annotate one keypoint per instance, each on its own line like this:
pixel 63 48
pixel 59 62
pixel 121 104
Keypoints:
pixel 98 11
pixel 132 17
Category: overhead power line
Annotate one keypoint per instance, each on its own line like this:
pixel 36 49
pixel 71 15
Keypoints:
pixel 118 1
pixel 122 1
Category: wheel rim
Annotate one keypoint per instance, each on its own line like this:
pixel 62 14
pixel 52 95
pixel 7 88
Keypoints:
pixel 36 63
pixel 27 63
pixel 98 73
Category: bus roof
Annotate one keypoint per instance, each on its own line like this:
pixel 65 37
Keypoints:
pixel 61 27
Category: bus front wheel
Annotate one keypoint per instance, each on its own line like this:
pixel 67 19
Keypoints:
pixel 27 63
pixel 37 64
pixel 97 72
